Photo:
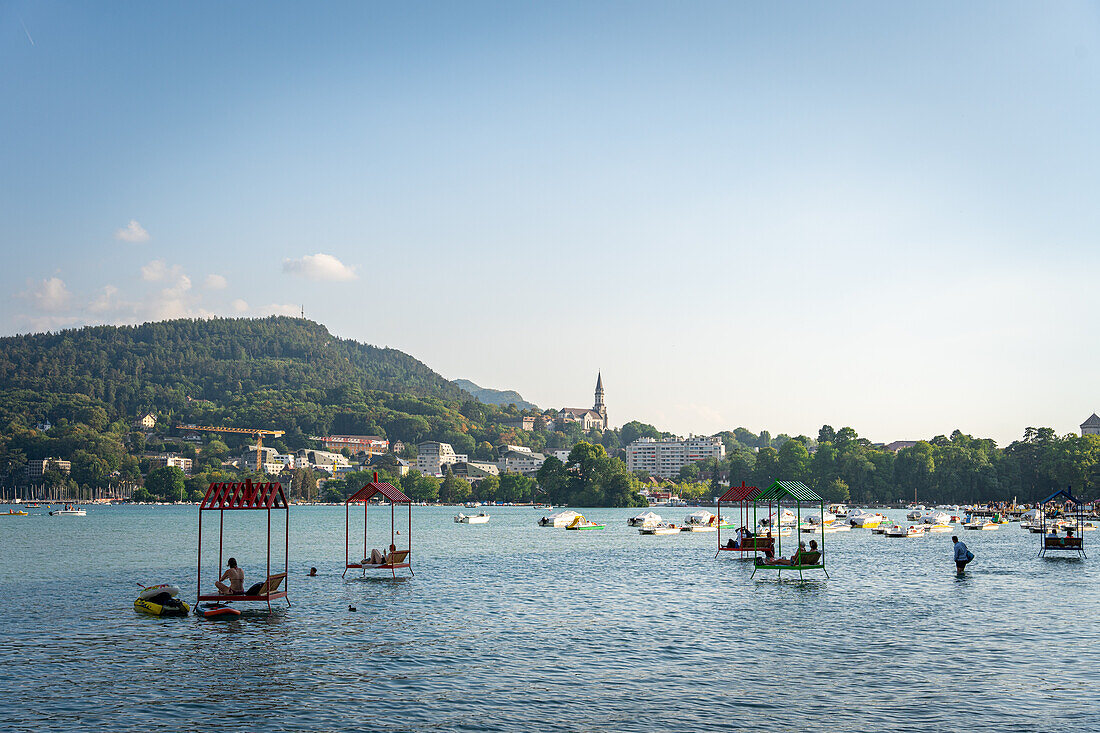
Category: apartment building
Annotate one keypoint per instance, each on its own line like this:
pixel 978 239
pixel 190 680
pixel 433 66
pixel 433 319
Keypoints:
pixel 432 456
pixel 665 457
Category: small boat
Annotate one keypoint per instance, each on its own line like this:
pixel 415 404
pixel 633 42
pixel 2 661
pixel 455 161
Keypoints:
pixel 786 518
pixel 838 510
pixel 581 523
pixel 936 518
pixel 700 521
pixel 915 515
pixel 940 528
pixel 214 610
pixel 662 528
pixel 480 518
pixel 837 527
pixel 161 600
pixel 913 530
pixel 71 510
pixel 865 520
pixel 13 513
pixel 643 519
pixel 881 529
pixel 978 524
pixel 560 519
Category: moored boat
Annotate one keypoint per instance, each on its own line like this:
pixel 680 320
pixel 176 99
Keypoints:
pixel 661 528
pixel 700 521
pixel 558 519
pixel 643 519
pixel 481 518
pixel 579 522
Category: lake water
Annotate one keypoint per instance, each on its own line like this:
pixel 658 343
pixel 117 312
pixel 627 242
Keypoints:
pixel 510 627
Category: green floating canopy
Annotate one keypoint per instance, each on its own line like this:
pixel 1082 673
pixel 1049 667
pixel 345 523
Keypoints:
pixel 782 489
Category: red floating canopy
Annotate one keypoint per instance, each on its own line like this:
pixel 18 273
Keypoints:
pixel 244 495
pixel 389 491
pixel 738 493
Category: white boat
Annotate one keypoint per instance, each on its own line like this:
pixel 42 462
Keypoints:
pixel 837 527
pixel 559 519
pixel 70 510
pixel 643 519
pixel 786 518
pixel 662 528
pixel 913 530
pixel 936 518
pixel 940 528
pixel 700 521
pixel 481 518
pixel 881 529
pixel 980 525
pixel 915 515
pixel 865 520
pixel 838 510
pixel 472 504
pixel 828 518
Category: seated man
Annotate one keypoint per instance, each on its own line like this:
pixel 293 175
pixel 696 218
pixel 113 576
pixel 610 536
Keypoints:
pixel 236 579
pixel 794 559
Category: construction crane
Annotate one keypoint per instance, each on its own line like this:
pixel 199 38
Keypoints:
pixel 254 432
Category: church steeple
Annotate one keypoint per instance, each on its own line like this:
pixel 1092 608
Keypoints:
pixel 600 407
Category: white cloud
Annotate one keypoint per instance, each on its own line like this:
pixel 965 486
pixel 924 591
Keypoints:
pixel 239 305
pixel 132 232
pixel 320 267
pixel 51 295
pixel 215 282
pixel 155 271
pixel 277 309
pixel 106 300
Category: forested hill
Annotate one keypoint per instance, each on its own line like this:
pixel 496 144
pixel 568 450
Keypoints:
pixel 156 364
pixel 499 397
pixel 201 368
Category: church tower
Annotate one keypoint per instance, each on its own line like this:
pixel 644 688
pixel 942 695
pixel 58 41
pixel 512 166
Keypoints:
pixel 600 407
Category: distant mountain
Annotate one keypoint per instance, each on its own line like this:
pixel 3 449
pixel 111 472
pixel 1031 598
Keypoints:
pixel 499 397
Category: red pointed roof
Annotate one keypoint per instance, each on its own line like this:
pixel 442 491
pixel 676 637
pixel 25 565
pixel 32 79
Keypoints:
pixel 244 495
pixel 389 491
pixel 738 493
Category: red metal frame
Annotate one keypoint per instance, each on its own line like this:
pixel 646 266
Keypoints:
pixel 244 496
pixel 364 495
pixel 741 495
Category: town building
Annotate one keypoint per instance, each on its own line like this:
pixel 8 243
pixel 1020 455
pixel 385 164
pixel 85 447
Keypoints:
pixel 562 455
pixel 37 467
pixel 594 419
pixel 386 463
pixel 325 460
pixel 475 470
pixel 523 461
pixel 523 422
pixel 665 457
pixel 356 443
pixel 148 421
pixel 899 445
pixel 1091 426
pixel 432 456
pixel 171 459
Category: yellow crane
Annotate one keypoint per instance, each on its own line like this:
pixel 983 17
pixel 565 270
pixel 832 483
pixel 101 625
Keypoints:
pixel 254 432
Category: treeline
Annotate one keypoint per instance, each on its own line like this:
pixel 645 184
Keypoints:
pixel 958 468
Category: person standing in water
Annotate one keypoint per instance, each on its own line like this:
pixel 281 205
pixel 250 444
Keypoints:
pixel 962 555
pixel 236 579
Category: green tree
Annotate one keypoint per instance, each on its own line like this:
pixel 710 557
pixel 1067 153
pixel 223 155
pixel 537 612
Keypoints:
pixel 166 483
pixel 794 461
pixel 453 490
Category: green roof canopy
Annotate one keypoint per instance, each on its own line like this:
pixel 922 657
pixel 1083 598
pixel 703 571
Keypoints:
pixel 793 489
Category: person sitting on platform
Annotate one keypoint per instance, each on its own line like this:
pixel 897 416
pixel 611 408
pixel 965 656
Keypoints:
pixel 380 557
pixel 742 534
pixel 794 559
pixel 236 579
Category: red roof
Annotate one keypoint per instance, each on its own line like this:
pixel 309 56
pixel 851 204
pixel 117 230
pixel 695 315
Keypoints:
pixel 739 493
pixel 389 491
pixel 244 495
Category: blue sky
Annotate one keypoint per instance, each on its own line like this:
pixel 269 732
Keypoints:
pixel 769 215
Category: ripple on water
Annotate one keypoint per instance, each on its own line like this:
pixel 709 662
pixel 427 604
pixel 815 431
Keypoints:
pixel 512 627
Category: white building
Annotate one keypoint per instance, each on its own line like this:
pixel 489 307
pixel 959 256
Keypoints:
pixel 148 421
pixel 1091 426
pixel 520 461
pixel 562 455
pixel 35 468
pixel 432 456
pixel 164 461
pixel 665 457
pixel 320 459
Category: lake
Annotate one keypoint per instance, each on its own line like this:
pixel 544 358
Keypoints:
pixel 509 627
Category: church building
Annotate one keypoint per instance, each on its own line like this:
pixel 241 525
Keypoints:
pixel 594 419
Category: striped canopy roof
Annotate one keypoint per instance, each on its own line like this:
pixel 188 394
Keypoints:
pixel 793 489
pixel 1063 493
pixel 244 495
pixel 738 493
pixel 389 491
